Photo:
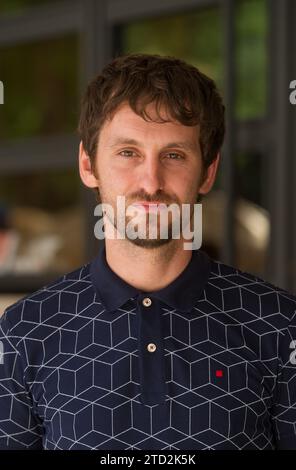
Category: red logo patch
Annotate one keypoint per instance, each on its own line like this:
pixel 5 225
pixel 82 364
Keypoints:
pixel 219 373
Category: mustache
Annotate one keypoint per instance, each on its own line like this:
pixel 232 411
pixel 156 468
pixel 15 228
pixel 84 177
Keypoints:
pixel 157 198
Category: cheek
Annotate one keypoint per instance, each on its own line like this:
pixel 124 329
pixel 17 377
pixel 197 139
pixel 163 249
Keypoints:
pixel 121 180
pixel 186 184
pixel 118 183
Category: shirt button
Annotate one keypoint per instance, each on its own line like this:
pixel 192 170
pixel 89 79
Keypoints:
pixel 151 347
pixel 146 302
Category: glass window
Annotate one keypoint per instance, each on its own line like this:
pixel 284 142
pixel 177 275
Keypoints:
pixel 251 58
pixel 251 216
pixel 41 223
pixel 21 5
pixel 41 88
pixel 194 37
pixel 252 220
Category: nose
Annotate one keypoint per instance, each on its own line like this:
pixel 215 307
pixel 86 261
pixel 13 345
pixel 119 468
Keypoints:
pixel 152 176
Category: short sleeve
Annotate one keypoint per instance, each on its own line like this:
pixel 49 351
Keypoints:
pixel 19 426
pixel 284 410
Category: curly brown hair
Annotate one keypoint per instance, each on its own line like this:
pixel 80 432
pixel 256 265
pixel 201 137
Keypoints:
pixel 139 79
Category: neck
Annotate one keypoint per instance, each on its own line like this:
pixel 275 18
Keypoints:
pixel 147 269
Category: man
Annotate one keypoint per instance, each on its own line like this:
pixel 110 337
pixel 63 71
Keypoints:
pixel 150 345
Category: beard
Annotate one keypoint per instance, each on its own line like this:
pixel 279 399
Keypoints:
pixel 139 233
pixel 162 234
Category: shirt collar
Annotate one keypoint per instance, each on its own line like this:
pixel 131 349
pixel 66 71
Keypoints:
pixel 181 294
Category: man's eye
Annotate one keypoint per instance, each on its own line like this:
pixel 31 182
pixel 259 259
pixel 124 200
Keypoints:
pixel 175 156
pixel 126 153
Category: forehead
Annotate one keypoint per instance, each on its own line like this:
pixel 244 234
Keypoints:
pixel 125 121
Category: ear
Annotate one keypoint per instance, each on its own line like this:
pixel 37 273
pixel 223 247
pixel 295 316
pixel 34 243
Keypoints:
pixel 85 170
pixel 210 176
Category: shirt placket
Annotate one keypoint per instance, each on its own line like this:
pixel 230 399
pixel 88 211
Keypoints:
pixel 151 351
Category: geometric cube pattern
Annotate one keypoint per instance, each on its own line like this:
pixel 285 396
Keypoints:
pixel 90 362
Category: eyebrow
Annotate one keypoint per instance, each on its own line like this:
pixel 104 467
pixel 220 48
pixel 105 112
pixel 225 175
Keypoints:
pixel 185 145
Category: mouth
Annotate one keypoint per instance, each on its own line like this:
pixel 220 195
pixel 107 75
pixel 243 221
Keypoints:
pixel 150 206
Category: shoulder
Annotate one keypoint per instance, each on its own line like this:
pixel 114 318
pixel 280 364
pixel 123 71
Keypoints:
pixel 233 288
pixel 59 295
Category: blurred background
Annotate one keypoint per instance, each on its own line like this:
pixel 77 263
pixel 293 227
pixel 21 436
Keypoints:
pixel 48 52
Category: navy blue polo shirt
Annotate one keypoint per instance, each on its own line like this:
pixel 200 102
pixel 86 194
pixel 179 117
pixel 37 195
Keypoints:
pixel 90 362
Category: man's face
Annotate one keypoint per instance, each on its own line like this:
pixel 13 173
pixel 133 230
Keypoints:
pixel 147 162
